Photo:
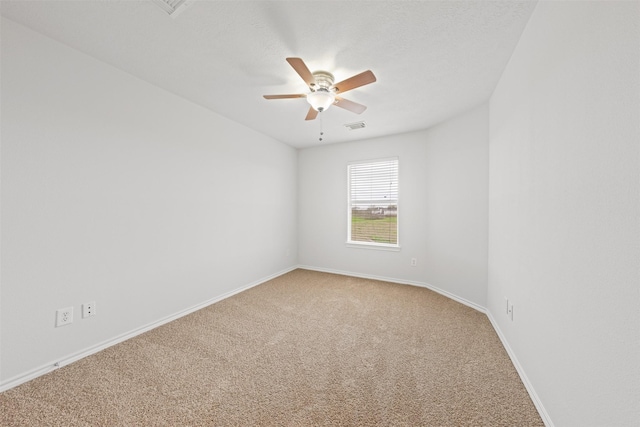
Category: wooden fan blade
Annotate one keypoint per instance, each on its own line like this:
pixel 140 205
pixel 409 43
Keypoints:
pixel 358 80
pixel 312 114
pixel 354 107
pixel 298 95
pixel 301 68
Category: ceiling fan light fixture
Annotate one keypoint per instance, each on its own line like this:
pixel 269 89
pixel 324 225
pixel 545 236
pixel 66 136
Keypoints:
pixel 321 99
pixel 323 90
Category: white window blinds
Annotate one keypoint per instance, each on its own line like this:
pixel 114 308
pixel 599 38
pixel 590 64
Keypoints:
pixel 373 202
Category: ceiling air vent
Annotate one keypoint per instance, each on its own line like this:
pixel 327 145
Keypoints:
pixel 172 7
pixel 354 126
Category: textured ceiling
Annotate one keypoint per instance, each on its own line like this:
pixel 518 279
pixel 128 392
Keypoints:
pixel 432 59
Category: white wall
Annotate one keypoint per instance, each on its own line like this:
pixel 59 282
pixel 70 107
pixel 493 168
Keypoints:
pixel 564 229
pixel 442 214
pixel 118 192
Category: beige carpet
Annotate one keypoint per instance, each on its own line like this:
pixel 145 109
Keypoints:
pixel 304 349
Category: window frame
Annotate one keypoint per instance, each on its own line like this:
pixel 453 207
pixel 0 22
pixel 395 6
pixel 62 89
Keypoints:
pixel 373 245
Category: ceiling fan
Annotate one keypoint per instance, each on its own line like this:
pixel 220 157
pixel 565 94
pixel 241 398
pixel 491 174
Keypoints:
pixel 323 92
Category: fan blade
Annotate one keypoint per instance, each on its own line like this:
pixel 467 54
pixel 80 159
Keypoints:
pixel 358 80
pixel 354 107
pixel 298 95
pixel 312 114
pixel 301 68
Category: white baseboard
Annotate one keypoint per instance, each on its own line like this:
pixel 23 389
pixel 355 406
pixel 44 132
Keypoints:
pixel 523 376
pixel 399 281
pixel 49 367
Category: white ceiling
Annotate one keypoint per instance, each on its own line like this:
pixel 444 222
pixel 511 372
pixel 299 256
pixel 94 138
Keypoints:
pixel 432 59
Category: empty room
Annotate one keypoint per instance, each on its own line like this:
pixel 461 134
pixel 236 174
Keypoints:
pixel 332 213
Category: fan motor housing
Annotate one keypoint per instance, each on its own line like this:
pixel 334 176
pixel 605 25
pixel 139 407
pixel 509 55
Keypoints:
pixel 324 79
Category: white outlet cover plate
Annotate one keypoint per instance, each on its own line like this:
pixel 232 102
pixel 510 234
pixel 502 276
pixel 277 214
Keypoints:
pixel 89 309
pixel 64 316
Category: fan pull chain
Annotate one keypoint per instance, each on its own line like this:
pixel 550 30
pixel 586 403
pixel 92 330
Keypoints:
pixel 321 133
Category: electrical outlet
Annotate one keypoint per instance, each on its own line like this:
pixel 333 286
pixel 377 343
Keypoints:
pixel 510 311
pixel 88 309
pixel 414 262
pixel 64 316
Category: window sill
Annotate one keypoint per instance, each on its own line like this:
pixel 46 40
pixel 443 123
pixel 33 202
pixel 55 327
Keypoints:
pixel 374 246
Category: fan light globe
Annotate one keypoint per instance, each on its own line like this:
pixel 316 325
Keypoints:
pixel 321 99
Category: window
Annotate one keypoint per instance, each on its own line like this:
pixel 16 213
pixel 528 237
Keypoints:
pixel 373 203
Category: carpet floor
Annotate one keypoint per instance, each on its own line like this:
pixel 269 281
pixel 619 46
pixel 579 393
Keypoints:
pixel 304 349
